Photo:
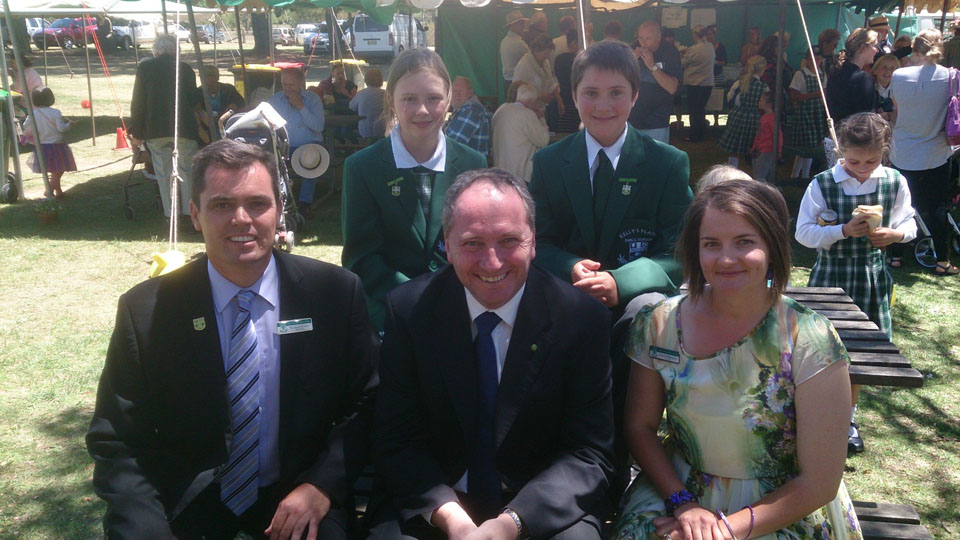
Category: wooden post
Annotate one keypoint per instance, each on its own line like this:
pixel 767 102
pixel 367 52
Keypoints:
pixel 86 56
pixel 163 10
pixel 943 14
pixel 243 60
pixel 207 108
pixel 778 96
pixel 900 8
pixel 270 32
pixel 43 39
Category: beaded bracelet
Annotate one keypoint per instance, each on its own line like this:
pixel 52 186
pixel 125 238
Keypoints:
pixel 678 499
pixel 727 523
pixel 749 531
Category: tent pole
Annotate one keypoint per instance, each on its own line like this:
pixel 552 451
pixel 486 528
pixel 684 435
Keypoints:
pixel 778 97
pixel 27 97
pixel 13 129
pixel 943 15
pixel 839 15
pixel 899 18
pixel 270 33
pixel 243 61
pixel 410 39
pixel 133 30
pixel 163 9
pixel 86 56
pixel 866 15
pixel 43 37
pixel 215 38
pixel 207 109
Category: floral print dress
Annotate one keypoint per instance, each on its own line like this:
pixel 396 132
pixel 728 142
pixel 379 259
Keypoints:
pixel 731 421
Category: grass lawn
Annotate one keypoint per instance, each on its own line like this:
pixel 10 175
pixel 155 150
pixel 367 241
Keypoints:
pixel 61 284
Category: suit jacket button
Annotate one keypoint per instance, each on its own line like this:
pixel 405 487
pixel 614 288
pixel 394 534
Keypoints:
pixel 432 266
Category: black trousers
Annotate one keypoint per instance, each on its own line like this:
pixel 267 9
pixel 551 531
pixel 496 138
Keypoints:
pixel 206 517
pixel 697 97
pixel 930 191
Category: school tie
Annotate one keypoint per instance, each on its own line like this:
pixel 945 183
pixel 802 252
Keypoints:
pixel 602 185
pixel 424 179
pixel 483 483
pixel 238 480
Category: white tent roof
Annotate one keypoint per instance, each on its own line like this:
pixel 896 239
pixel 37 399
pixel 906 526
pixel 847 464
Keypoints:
pixel 64 8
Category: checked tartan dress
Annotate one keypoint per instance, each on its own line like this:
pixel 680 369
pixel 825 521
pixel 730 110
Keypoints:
pixel 853 263
pixel 809 119
pixel 744 121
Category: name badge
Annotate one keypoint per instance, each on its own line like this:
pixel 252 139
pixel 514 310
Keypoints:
pixel 664 354
pixel 294 326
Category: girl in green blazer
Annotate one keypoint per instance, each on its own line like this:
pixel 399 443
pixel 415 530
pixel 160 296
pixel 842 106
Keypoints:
pixel 393 190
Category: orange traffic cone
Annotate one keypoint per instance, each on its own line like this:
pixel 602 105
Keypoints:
pixel 121 140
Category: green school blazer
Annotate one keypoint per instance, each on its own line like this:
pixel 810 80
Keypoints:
pixel 386 238
pixel 641 223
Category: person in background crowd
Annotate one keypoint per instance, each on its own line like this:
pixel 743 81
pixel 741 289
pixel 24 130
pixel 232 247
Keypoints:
pixel 303 111
pixel 34 80
pixel 560 43
pixel 881 26
pixel 668 36
pixel 370 103
pixel 535 69
pixel 660 72
pixel 223 97
pixel 721 173
pixel 951 49
pixel 902 49
pixel 393 189
pixel 744 120
pixel 827 49
pixel 919 149
pixel 850 90
pixel 512 46
pixel 754 385
pixel 809 115
pixel 764 156
pixel 720 52
pixel 751 46
pixel 882 72
pixel 152 123
pixel 519 130
pixel 569 121
pixel 57 156
pixel 698 76
pixel 470 122
pixel 612 31
pixel 536 28
pixel 336 90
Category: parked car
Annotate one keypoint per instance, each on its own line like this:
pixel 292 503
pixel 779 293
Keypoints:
pixel 123 31
pixel 369 38
pixel 283 35
pixel 316 42
pixel 66 33
pixel 183 34
pixel 35 24
pixel 207 33
pixel 302 30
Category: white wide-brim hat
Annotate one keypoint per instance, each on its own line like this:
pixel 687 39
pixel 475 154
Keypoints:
pixel 310 160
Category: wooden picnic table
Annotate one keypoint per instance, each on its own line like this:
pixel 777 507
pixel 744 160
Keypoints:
pixel 874 359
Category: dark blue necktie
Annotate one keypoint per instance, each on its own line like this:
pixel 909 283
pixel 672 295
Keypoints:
pixel 483 483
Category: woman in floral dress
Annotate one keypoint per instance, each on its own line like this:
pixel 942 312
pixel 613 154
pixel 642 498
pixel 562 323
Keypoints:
pixel 755 387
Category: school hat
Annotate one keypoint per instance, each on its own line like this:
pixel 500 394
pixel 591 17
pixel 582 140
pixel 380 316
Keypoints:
pixel 514 16
pixel 310 160
pixel 879 22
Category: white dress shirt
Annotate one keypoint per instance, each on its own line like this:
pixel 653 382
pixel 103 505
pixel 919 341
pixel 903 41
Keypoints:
pixel 612 151
pixel 404 160
pixel 814 236
pixel 512 49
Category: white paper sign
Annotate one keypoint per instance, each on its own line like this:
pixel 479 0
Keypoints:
pixel 702 17
pixel 673 17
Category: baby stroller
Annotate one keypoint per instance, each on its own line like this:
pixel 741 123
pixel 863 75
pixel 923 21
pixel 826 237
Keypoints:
pixel 256 129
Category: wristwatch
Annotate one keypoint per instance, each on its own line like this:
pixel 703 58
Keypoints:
pixel 657 67
pixel 522 532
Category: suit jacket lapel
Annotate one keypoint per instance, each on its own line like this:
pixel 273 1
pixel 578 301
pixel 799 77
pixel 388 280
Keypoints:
pixel 454 352
pixel 440 184
pixel 406 188
pixel 576 180
pixel 631 159
pixel 525 356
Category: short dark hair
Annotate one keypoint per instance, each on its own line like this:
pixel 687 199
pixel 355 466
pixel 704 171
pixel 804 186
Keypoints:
pixel 613 28
pixel 566 23
pixel 294 71
pixel 42 97
pixel 761 205
pixel 572 36
pixel 865 130
pixel 499 178
pixel 606 56
pixel 231 155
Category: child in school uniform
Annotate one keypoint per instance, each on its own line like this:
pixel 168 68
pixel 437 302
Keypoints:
pixel 765 159
pixel 849 250
pixel 57 156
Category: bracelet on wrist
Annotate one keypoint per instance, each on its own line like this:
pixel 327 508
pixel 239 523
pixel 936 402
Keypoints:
pixel 522 532
pixel 723 518
pixel 677 500
pixel 750 530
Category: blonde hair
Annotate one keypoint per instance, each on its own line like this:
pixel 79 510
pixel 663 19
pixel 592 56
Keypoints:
pixel 755 66
pixel 858 39
pixel 882 62
pixel 929 45
pixel 406 63
pixel 721 173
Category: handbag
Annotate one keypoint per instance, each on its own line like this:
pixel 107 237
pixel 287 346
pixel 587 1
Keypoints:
pixel 952 122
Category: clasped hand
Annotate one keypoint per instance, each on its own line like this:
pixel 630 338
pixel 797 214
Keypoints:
pixel 881 237
pixel 600 285
pixel 301 510
pixel 691 522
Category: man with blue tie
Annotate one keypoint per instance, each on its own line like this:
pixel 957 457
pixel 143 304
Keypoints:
pixel 236 394
pixel 494 416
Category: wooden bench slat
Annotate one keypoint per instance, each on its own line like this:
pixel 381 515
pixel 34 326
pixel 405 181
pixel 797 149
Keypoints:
pixel 833 306
pixel 816 290
pixel 886 376
pixel 854 325
pixel 861 335
pixel 871 346
pixel 803 297
pixel 886 512
pixel 837 315
pixel 879 359
pixel 878 530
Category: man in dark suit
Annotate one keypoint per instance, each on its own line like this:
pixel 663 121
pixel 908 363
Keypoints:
pixel 236 393
pixel 494 417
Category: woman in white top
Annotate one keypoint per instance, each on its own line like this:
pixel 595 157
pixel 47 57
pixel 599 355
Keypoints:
pixel 57 156
pixel 34 81
pixel 697 66
pixel 919 149
pixel 518 131
pixel 535 69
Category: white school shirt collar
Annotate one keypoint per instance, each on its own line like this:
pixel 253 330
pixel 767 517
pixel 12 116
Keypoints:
pixel 612 151
pixel 404 160
pixel 841 175
pixel 506 312
pixel 267 287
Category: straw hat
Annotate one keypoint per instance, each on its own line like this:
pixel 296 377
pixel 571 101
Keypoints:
pixel 879 22
pixel 310 160
pixel 515 16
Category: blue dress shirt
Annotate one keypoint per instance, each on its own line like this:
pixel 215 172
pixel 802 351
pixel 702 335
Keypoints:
pixel 304 125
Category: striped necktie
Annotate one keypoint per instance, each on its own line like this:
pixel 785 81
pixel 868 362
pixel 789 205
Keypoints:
pixel 238 480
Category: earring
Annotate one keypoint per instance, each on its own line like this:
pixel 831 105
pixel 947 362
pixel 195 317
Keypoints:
pixel 769 278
